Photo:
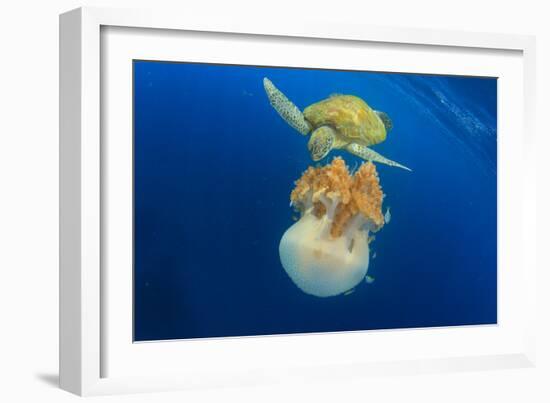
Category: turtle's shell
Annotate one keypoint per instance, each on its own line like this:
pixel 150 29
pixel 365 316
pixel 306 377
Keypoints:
pixel 351 117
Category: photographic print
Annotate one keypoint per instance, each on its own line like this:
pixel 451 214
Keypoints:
pixel 272 200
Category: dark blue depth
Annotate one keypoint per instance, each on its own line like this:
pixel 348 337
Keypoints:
pixel 214 168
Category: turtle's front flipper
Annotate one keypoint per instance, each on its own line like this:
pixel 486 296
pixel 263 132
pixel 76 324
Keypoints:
pixel 288 111
pixel 370 155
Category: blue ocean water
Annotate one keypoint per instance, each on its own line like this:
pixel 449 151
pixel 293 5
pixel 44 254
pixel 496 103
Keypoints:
pixel 214 166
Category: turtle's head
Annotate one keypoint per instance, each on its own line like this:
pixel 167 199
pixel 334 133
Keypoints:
pixel 385 120
pixel 321 142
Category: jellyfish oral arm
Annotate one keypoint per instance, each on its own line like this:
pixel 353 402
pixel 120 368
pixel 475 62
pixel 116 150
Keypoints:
pixel 330 206
pixel 330 203
pixel 355 225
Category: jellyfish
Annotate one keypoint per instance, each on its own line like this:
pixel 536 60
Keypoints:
pixel 326 252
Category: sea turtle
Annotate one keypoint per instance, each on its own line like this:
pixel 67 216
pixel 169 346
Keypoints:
pixel 338 122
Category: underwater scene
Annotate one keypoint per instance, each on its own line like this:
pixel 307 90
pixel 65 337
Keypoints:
pixel 273 200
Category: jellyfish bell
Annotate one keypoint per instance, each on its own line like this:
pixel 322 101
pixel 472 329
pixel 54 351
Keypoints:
pixel 322 266
pixel 326 252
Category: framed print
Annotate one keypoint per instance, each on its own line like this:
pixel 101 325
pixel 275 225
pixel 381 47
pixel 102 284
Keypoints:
pixel 236 207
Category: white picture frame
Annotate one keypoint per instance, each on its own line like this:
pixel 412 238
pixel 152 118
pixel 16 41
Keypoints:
pixel 88 339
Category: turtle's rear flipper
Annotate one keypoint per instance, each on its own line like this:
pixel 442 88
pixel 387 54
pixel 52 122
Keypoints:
pixel 370 155
pixel 284 107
